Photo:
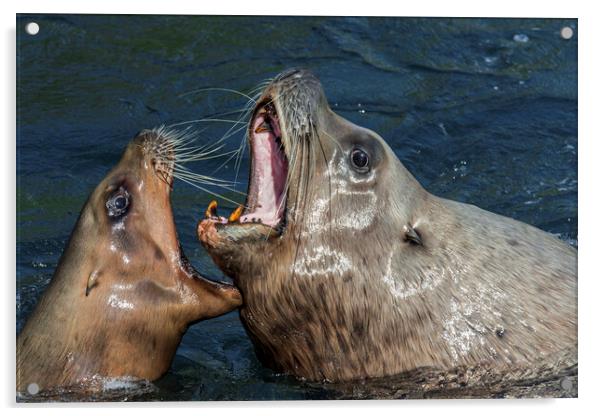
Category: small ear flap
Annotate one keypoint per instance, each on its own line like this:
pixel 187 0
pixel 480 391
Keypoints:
pixel 92 279
pixel 411 235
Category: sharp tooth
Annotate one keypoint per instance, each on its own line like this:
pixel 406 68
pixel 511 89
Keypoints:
pixel 211 211
pixel 263 127
pixel 235 214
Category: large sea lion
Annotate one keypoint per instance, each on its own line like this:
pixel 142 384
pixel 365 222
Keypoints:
pixel 123 292
pixel 350 269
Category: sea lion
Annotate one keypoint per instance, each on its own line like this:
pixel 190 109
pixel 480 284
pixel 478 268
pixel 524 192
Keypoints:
pixel 123 292
pixel 350 269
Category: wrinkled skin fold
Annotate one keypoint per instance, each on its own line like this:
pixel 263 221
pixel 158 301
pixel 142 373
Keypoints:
pixel 362 273
pixel 123 294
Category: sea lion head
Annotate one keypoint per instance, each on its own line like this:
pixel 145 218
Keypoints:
pixel 123 292
pixel 312 171
pixel 128 228
pixel 328 203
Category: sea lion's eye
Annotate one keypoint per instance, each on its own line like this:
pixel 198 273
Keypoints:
pixel 118 204
pixel 360 160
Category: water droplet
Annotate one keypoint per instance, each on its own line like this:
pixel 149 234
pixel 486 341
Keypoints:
pixel 443 129
pixel 490 60
pixel 521 38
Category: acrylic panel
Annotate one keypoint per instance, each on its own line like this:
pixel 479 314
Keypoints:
pixel 342 273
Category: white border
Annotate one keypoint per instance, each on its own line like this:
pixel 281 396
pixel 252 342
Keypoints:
pixel 461 8
pixel 590 137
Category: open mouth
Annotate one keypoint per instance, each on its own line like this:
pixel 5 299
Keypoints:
pixel 266 197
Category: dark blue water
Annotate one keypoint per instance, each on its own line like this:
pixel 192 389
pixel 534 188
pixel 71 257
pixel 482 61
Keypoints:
pixel 479 110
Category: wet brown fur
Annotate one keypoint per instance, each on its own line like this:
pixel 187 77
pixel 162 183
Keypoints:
pixel 342 294
pixel 142 298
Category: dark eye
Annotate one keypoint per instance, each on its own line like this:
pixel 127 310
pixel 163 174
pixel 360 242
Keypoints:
pixel 118 203
pixel 360 160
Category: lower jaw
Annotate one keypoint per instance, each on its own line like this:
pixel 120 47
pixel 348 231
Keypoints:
pixel 239 223
pixel 225 236
pixel 268 219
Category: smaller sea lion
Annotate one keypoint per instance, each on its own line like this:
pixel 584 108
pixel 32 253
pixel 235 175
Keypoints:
pixel 123 293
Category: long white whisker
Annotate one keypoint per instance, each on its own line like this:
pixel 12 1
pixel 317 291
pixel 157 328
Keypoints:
pixel 209 192
pixel 244 140
pixel 217 89
pixel 202 157
pixel 201 151
pixel 183 171
pixel 202 120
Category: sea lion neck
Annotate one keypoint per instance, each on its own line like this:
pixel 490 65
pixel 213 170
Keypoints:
pixel 123 287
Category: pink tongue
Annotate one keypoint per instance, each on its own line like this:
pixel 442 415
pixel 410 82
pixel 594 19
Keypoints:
pixel 269 176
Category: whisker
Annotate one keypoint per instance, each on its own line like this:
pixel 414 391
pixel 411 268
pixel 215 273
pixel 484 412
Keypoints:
pixel 224 164
pixel 244 140
pixel 226 113
pixel 207 180
pixel 206 151
pixel 333 140
pixel 329 182
pixel 262 84
pixel 208 183
pixel 302 211
pixel 209 192
pixel 242 145
pixel 181 143
pixel 199 182
pixel 242 94
pixel 247 109
pixel 202 157
pixel 202 120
